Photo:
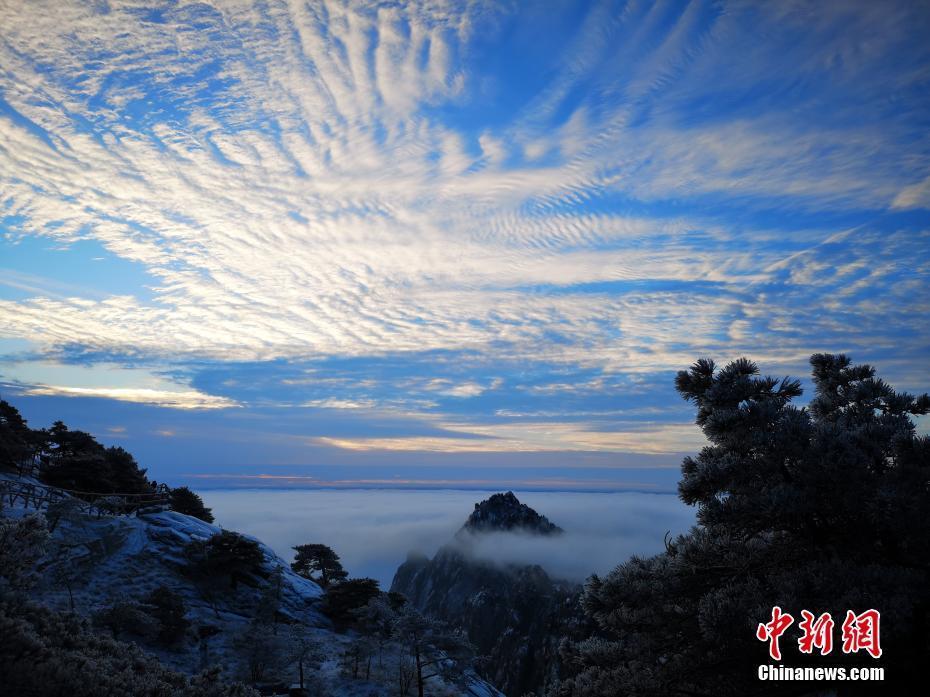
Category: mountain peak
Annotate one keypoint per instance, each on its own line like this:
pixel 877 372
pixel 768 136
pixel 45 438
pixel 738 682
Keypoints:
pixel 502 512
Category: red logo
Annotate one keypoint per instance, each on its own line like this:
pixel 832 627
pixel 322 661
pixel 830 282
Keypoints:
pixel 771 631
pixel 817 633
pixel 860 632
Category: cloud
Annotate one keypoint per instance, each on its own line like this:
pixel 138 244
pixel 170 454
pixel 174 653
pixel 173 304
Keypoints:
pixel 640 437
pixel 444 386
pixel 601 529
pixel 913 196
pixel 188 399
pixel 557 189
pixel 105 380
pixel 339 404
pixel 323 119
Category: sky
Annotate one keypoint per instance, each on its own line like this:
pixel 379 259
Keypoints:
pixel 449 243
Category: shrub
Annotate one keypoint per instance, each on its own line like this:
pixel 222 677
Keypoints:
pixel 342 599
pixel 167 608
pixel 226 554
pixel 57 655
pixel 185 501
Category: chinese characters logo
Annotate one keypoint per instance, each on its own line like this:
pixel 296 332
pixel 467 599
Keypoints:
pixel 860 632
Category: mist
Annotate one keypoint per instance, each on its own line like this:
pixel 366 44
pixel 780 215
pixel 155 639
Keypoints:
pixel 373 530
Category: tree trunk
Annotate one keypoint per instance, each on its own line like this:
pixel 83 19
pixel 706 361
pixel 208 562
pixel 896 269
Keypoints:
pixel 419 673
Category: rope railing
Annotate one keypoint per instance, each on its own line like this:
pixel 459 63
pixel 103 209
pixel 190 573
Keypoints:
pixel 162 490
pixel 39 496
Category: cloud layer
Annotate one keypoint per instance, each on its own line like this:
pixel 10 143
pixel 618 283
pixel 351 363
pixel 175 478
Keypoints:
pixel 543 199
pixel 373 530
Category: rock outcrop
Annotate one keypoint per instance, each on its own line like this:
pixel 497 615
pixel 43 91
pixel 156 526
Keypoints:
pixel 515 615
pixel 504 513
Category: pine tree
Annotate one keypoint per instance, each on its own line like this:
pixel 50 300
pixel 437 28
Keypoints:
pixel 167 609
pixel 225 554
pixel 18 442
pixel 311 558
pixel 263 652
pixel 376 619
pixel 825 508
pixel 22 543
pixel 185 501
pixel 75 460
pixel 435 650
pixel 342 600
pixel 303 651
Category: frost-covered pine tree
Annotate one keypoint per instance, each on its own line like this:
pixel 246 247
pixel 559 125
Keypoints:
pixel 376 619
pixel 825 508
pixel 434 649
pixel 22 543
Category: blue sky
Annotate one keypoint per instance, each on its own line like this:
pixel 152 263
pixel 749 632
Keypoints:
pixel 463 241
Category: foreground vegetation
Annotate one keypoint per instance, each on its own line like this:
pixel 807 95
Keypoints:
pixel 824 508
pixel 77 462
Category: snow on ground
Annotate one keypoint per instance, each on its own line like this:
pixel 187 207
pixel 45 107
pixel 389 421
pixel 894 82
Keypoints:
pixel 107 559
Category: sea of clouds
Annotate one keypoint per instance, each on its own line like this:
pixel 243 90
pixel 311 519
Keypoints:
pixel 373 530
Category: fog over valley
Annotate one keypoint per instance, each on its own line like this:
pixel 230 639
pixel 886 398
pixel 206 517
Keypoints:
pixel 373 530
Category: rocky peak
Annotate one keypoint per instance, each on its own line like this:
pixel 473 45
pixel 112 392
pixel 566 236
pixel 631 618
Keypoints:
pixel 505 512
pixel 516 616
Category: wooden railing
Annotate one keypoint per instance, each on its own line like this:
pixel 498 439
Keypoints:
pixel 40 496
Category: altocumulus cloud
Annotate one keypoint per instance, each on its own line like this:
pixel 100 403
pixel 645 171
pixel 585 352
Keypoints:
pixel 596 186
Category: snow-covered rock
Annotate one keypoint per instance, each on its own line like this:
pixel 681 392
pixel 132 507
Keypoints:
pixel 95 562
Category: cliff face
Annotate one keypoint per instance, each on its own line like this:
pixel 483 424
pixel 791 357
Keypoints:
pixel 515 615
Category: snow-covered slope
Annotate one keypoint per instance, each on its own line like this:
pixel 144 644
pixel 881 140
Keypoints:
pixel 94 563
